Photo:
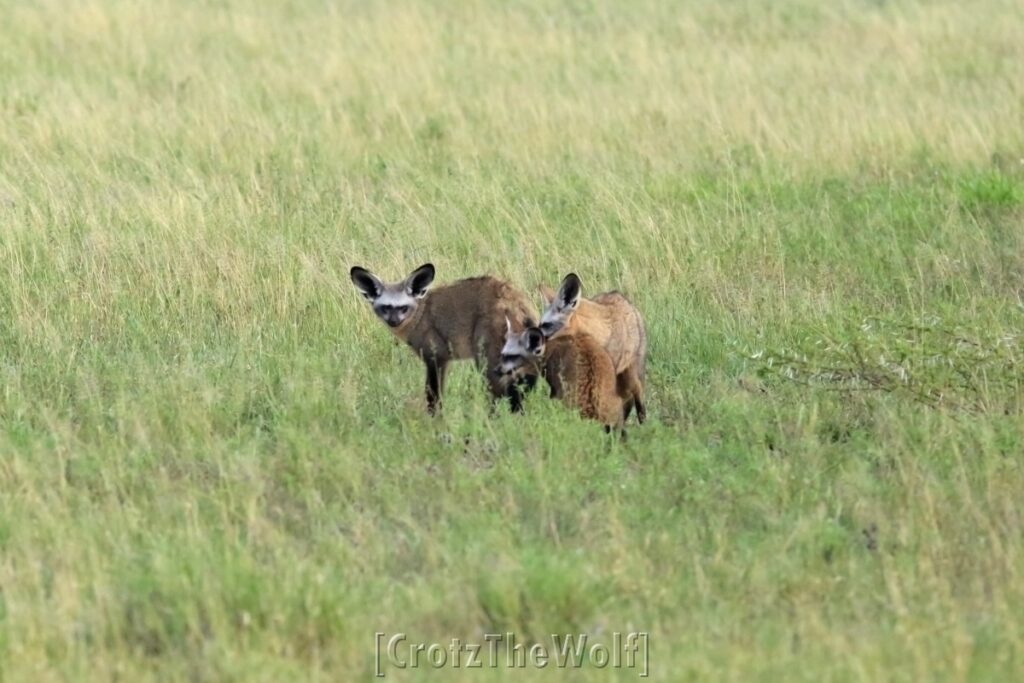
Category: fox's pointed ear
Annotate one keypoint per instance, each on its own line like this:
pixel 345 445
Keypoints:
pixel 508 327
pixel 534 340
pixel 366 282
pixel 547 293
pixel 569 291
pixel 418 283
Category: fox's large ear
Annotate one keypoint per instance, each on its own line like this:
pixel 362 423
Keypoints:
pixel 547 293
pixel 534 340
pixel 366 282
pixel 417 283
pixel 569 291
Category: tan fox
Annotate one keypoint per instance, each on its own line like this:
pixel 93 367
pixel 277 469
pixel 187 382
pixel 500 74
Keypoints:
pixel 612 321
pixel 465 319
pixel 578 370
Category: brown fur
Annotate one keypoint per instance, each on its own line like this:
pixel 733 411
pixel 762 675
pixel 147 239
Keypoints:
pixel 466 319
pixel 582 374
pixel 616 325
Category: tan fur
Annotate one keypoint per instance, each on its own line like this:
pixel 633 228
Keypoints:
pixel 615 324
pixel 582 374
pixel 466 319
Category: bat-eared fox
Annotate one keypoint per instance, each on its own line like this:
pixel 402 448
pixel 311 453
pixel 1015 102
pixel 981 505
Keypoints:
pixel 462 320
pixel 612 321
pixel 579 371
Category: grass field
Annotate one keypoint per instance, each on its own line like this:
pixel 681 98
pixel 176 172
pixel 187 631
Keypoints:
pixel 215 463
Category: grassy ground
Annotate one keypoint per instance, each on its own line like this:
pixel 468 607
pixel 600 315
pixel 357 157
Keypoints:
pixel 215 464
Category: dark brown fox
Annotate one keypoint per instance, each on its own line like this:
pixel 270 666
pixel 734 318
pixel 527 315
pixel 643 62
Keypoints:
pixel 465 319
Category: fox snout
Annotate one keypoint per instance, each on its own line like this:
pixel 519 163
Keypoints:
pixel 392 315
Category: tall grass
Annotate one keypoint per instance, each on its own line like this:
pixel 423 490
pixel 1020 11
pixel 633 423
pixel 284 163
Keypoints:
pixel 215 464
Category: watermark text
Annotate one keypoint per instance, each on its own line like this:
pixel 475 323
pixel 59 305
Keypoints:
pixel 618 650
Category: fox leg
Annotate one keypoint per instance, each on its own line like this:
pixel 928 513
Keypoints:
pixel 515 398
pixel 608 429
pixel 554 381
pixel 631 391
pixel 436 370
pixel 641 411
pixel 500 386
pixel 638 403
pixel 528 382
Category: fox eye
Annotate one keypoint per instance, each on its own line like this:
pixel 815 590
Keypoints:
pixel 403 309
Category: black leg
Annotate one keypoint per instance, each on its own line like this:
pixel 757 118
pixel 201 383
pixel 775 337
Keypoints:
pixel 641 412
pixel 515 399
pixel 555 383
pixel 435 373
pixel 608 429
pixel 528 382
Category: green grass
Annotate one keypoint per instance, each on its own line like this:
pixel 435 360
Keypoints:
pixel 215 464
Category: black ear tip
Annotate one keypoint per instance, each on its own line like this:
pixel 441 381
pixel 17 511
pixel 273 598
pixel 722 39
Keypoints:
pixel 424 272
pixel 571 286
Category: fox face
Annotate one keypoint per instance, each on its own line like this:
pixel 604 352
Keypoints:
pixel 561 306
pixel 522 349
pixel 394 303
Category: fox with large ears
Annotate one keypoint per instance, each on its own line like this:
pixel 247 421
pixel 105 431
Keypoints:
pixel 578 370
pixel 463 320
pixel 613 322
